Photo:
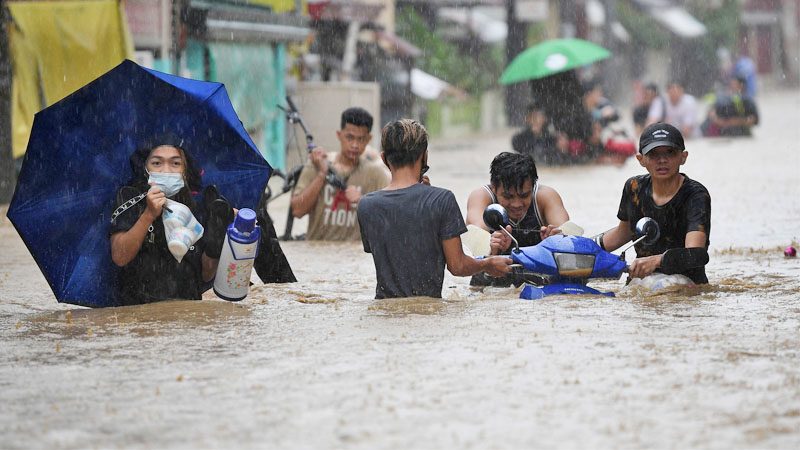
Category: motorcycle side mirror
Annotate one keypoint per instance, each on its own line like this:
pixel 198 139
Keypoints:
pixel 496 217
pixel 648 229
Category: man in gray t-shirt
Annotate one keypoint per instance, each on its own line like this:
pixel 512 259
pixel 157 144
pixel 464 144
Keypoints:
pixel 411 228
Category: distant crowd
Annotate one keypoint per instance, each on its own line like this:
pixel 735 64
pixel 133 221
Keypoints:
pixel 590 130
pixel 731 113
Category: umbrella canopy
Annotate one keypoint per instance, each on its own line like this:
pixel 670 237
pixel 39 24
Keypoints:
pixel 78 157
pixel 552 57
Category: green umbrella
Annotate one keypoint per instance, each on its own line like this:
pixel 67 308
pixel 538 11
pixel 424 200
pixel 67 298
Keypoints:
pixel 552 57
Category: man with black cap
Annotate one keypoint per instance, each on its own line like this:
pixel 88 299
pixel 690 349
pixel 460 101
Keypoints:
pixel 680 205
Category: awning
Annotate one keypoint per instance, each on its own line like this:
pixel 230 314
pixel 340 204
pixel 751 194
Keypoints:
pixel 344 10
pixel 673 17
pixel 397 45
pixel 429 87
pixel 225 22
pixel 596 16
pixel 486 27
pixel 228 30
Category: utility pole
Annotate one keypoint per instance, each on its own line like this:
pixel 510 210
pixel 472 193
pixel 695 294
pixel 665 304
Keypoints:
pixel 613 70
pixel 7 172
pixel 175 36
pixel 516 41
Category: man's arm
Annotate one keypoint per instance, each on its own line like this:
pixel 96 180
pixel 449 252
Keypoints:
pixel 377 180
pixel 747 121
pixel 477 202
pixel 675 260
pixel 303 201
pixel 616 237
pixel 553 210
pixel 462 265
pixel 305 195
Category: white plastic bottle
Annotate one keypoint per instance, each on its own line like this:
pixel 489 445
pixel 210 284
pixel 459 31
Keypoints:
pixel 239 251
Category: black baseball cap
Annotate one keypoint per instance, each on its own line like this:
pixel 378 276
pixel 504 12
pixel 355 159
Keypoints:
pixel 660 134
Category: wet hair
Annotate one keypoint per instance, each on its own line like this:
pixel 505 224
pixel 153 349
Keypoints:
pixel 512 170
pixel 403 142
pixel 589 86
pixel 358 117
pixel 534 107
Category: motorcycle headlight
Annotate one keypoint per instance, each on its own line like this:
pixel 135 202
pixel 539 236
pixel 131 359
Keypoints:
pixel 573 265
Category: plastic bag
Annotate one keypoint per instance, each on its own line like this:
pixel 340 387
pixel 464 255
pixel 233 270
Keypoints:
pixel 659 281
pixel 181 228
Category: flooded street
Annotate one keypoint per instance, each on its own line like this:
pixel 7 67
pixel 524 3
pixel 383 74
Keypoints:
pixel 321 364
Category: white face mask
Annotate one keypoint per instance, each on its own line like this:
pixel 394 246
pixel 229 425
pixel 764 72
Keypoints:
pixel 169 183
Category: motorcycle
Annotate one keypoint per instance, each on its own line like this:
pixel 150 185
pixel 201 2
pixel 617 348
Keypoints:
pixel 563 264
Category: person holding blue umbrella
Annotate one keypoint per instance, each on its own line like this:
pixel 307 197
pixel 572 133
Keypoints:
pixel 104 147
pixel 139 246
pixel 550 67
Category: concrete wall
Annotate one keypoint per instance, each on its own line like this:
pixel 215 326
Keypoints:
pixel 321 105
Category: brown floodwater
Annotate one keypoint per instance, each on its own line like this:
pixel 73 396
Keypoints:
pixel 321 364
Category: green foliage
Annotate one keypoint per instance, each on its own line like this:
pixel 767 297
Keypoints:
pixel 475 70
pixel 720 18
pixel 537 32
pixel 462 114
pixel 722 23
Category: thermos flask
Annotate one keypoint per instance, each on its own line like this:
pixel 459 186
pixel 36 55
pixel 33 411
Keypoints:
pixel 239 251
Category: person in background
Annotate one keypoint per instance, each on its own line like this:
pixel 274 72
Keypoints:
pixel 732 115
pixel 536 140
pixel 412 229
pixel 331 210
pixel 561 97
pixel 745 70
pixel 681 207
pixel 650 100
pixel 679 109
pixel 609 142
pixel 601 110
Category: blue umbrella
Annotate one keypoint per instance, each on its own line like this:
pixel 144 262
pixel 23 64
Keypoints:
pixel 78 157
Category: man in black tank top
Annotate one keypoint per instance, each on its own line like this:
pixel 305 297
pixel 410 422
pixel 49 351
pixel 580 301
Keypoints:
pixel 680 205
pixel 534 211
